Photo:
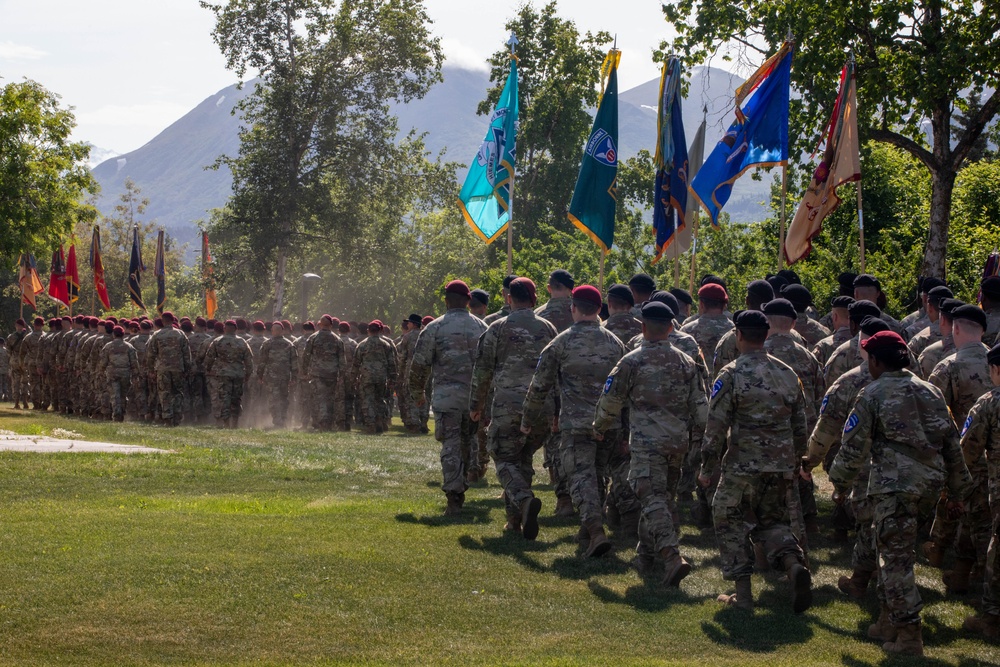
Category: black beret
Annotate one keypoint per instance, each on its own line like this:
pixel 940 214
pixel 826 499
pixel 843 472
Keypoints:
pixel 872 325
pixel 991 285
pixel 970 313
pixel 562 277
pixel 508 280
pixel 682 295
pixel 414 318
pixel 665 297
pixel 938 292
pixel 712 278
pixel 929 283
pixel 482 296
pixel 798 295
pixel 750 319
pixel 847 278
pixel 867 280
pixel 841 301
pixel 776 283
pixel 859 310
pixel 642 282
pixel 790 276
pixel 948 306
pixel 657 311
pixel 761 289
pixel 993 356
pixel 622 293
pixel 781 307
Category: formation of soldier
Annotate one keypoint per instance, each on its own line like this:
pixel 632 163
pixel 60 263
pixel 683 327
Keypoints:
pixel 642 405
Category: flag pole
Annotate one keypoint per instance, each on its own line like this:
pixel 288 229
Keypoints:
pixel 600 282
pixel 781 233
pixel 694 249
pixel 511 42
pixel 861 228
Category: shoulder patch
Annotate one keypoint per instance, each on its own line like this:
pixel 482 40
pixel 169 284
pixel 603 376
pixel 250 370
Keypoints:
pixel 968 423
pixel 822 406
pixel 852 423
pixel 607 385
pixel 717 387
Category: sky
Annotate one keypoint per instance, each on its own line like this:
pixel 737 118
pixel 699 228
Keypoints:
pixel 130 68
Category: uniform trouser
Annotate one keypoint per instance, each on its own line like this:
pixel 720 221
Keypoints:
pixel 456 432
pixel 277 398
pixel 5 385
pixel 991 579
pixel 324 392
pixel 512 452
pixel 412 417
pixel 118 391
pixel 37 388
pixel 584 463
pixel 970 533
pixel 482 458
pixel 170 386
pixel 753 507
pixel 864 557
pixel 689 473
pixel 373 409
pixel 403 404
pixel 896 519
pixel 19 385
pixel 227 397
pixel 654 473
pixel 621 494
pixel 347 399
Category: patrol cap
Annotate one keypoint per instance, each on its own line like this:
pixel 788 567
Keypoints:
pixel 867 280
pixel 682 296
pixel 622 293
pixel 482 296
pixel 713 291
pixel 657 311
pixel 751 319
pixel 118 332
pixel 345 327
pixel 761 290
pixel 971 313
pixel 508 280
pixel 991 286
pixel 841 301
pixel 780 307
pixel 642 282
pixel 562 277
pixel 413 318
pixel 993 356
pixel 884 341
pixel 872 325
pixel 711 278
pixel 665 297
pixel 458 287
pixel 523 289
pixel 427 320
pixel 588 294
pixel 929 283
pixel 859 310
pixel 937 293
pixel 799 295
pixel 220 327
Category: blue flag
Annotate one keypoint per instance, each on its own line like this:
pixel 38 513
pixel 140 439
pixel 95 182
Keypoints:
pixel 592 209
pixel 485 196
pixel 758 137
pixel 671 161
pixel 135 269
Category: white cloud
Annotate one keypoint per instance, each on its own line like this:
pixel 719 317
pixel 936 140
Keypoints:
pixel 459 55
pixel 11 51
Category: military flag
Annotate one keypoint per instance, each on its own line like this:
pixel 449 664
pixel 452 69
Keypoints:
pixel 72 275
pixel 485 198
pixel 31 284
pixel 160 271
pixel 211 302
pixel 841 164
pixel 592 209
pixel 135 269
pixel 58 290
pixel 97 265
pixel 671 160
pixel 757 138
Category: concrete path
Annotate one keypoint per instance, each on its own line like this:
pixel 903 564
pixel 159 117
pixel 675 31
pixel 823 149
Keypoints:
pixel 45 444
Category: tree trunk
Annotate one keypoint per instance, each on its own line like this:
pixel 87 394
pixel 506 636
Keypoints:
pixel 279 283
pixel 943 185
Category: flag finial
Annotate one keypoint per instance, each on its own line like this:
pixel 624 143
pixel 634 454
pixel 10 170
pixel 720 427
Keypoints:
pixel 512 41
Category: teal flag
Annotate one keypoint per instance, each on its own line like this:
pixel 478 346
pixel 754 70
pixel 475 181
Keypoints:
pixel 485 196
pixel 593 207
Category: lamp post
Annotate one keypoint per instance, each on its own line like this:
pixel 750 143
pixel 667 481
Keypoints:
pixel 308 279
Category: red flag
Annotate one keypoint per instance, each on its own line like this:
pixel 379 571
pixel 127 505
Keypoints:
pixel 58 290
pixel 98 266
pixel 72 275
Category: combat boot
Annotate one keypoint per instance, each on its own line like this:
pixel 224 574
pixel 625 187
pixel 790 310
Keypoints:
pixel 583 536
pixel 611 516
pixel 909 641
pixel 675 568
pixel 987 625
pixel 529 517
pixel 564 507
pixel 882 629
pixel 628 529
pixel 644 564
pixel 801 581
pixel 934 554
pixel 956 581
pixel 454 506
pixel 599 543
pixel 742 598
pixel 855 586
pixel 513 524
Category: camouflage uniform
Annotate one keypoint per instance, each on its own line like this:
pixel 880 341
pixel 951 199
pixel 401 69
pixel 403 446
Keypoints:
pixel 505 361
pixel 278 363
pixel 825 348
pixel 708 330
pixel 843 359
pixel 924 338
pixel 499 315
pixel 407 408
pixel 374 373
pixel 119 364
pixel 915 322
pixel 934 354
pixel 447 348
pixel 661 433
pixel 348 394
pixel 29 362
pixel 200 404
pixel 302 401
pixel 992 326
pixel 168 355
pixel 140 383
pixel 5 392
pixel 324 363
pixel 18 379
pixel 811 330
pixel 556 311
pixel 253 392
pixel 902 425
pixel 624 326
pixel 579 361
pixel 229 365
pixel 758 410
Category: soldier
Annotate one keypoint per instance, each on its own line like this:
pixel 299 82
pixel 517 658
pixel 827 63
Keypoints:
pixel 303 396
pixel 990 291
pixel 447 347
pixel 323 363
pixel 642 286
pixel 620 321
pixel 505 359
pixel 807 327
pixel 931 333
pixel 981 437
pixel 278 364
pixel 962 378
pixel 868 288
pixel 847 356
pixel 840 322
pixel 920 319
pixel 660 433
pixel 557 309
pixel 229 366
pixel 5 391
pixel 373 374
pixel 140 383
pixel 759 292
pixel 168 357
pixel 936 352
pixel 408 410
pixel 846 285
pixel 27 356
pixel 119 364
pixel 505 309
pixel 479 304
pixel 712 323
pixel 199 340
pixel 758 409
pixel 684 301
pixel 902 425
pixel 576 364
pixel 17 377
pixel 347 394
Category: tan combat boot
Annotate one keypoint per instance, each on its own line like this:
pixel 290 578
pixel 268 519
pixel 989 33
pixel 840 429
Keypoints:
pixel 675 568
pixel 934 554
pixel 583 536
pixel 742 598
pixel 909 641
pixel 513 524
pixel 801 581
pixel 529 517
pixel 564 507
pixel 882 630
pixel 956 581
pixel 987 625
pixel 855 586
pixel 599 543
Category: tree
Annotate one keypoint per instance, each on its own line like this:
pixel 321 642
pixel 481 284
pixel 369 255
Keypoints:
pixel 915 60
pixel 43 175
pixel 318 120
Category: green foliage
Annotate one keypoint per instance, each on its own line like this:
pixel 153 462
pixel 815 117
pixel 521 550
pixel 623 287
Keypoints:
pixel 43 174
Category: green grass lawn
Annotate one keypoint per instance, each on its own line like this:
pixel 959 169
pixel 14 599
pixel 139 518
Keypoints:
pixel 281 548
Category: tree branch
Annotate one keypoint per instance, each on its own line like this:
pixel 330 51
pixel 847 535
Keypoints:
pixel 908 145
pixel 974 129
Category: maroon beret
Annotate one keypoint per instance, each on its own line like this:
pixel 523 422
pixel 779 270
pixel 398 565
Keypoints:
pixel 39 322
pixel 258 326
pixel 589 294
pixel 167 316
pixel 200 321
pixel 427 320
pixel 713 291
pixel 219 327
pixel 145 325
pixel 458 287
pixel 345 327
pixel 118 331
pixel 231 323
pixel 883 340
pixel 286 324
pixel 21 321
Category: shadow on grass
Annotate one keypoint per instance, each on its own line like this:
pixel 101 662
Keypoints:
pixel 649 597
pixel 764 631
pixel 887 661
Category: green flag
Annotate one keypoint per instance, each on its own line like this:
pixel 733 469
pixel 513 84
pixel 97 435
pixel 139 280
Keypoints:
pixel 596 193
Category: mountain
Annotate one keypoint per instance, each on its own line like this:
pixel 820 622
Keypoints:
pixel 171 169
